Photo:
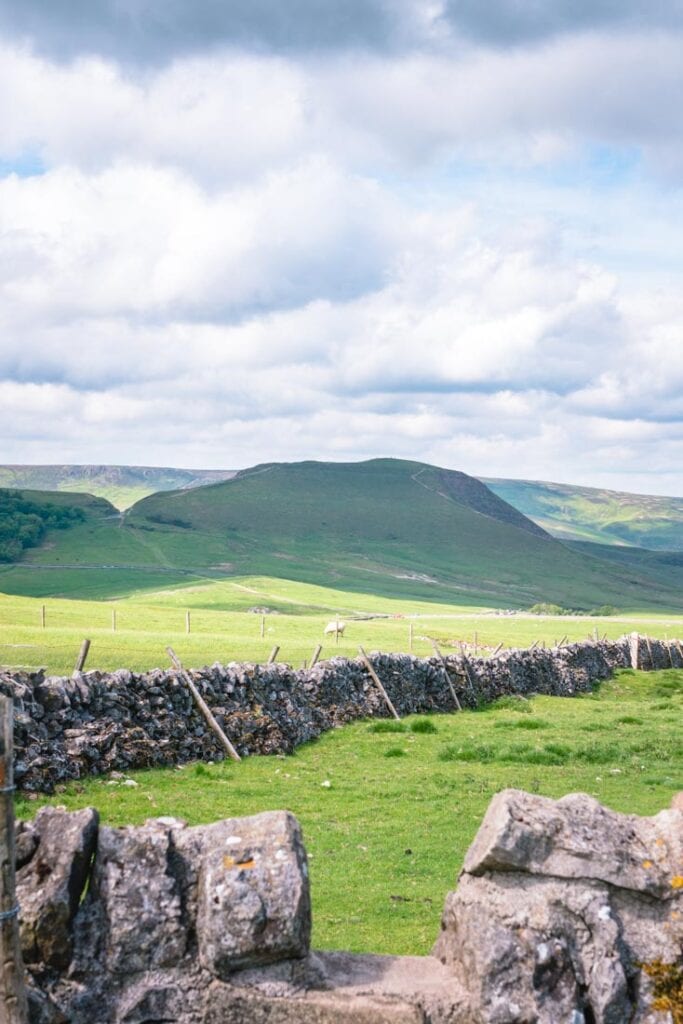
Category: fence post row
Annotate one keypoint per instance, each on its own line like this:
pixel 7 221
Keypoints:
pixel 14 1002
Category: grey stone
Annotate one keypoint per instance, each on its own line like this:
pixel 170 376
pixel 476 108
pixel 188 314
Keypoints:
pixel 540 930
pixel 41 1009
pixel 535 949
pixel 253 893
pixel 135 900
pixel 152 1002
pixel 51 881
pixel 225 1006
pixel 25 841
pixel 576 837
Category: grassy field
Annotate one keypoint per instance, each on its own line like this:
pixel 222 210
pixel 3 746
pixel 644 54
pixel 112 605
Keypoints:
pixel 223 629
pixel 387 836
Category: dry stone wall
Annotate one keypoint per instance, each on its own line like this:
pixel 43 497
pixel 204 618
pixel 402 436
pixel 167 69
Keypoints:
pixel 69 728
pixel 565 913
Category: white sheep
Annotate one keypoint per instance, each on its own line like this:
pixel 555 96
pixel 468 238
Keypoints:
pixel 335 627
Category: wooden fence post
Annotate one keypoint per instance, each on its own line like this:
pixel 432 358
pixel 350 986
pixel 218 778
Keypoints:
pixel 188 622
pixel 316 655
pixel 113 620
pixel 203 707
pixel 14 1001
pixel 498 648
pixel 634 645
pixel 466 666
pixel 273 654
pixel 441 658
pixel 263 626
pixel 375 678
pixel 82 656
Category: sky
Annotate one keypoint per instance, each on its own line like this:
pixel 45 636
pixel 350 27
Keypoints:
pixel 445 230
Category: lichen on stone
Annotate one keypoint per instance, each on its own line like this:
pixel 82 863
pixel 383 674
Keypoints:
pixel 667 988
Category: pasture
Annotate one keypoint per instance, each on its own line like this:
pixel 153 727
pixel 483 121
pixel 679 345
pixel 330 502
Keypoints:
pixel 388 809
pixel 134 631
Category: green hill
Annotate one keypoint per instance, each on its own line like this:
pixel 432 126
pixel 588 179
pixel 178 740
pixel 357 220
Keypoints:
pixel 387 527
pixel 121 485
pixel 590 514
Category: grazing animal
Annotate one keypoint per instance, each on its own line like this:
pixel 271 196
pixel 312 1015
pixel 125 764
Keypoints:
pixel 335 627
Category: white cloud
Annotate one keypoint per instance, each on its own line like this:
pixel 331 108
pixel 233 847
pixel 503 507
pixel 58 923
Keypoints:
pixel 229 116
pixel 235 257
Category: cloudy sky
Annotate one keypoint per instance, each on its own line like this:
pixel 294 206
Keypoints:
pixel 234 231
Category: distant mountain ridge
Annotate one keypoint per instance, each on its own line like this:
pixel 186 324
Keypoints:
pixel 596 515
pixel 121 485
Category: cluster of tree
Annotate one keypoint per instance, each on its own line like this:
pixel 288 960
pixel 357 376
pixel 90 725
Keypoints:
pixel 23 522
pixel 544 608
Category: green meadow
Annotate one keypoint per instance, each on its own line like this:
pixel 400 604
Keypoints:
pixel 388 809
pixel 135 631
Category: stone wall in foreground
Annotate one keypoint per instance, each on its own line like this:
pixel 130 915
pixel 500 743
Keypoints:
pixel 565 913
pixel 69 728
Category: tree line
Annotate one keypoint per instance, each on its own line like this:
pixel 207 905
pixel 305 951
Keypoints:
pixel 23 522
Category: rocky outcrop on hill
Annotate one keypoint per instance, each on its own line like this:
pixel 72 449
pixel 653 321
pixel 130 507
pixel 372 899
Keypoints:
pixel 564 912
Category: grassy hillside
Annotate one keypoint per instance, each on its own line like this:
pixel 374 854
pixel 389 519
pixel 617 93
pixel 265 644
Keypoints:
pixel 390 527
pixel 387 836
pixel 121 485
pixel 603 517
pixel 386 527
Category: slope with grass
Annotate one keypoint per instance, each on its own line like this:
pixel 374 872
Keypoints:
pixel 387 527
pixel 388 834
pixel 599 516
pixel 121 485
pixel 396 528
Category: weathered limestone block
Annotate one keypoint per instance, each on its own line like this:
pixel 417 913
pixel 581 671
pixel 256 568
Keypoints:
pixel 559 906
pixel 134 919
pixel 56 851
pixel 253 902
pixel 576 837
pixel 533 949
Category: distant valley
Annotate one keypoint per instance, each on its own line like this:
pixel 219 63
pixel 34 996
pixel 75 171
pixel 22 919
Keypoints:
pixel 120 485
